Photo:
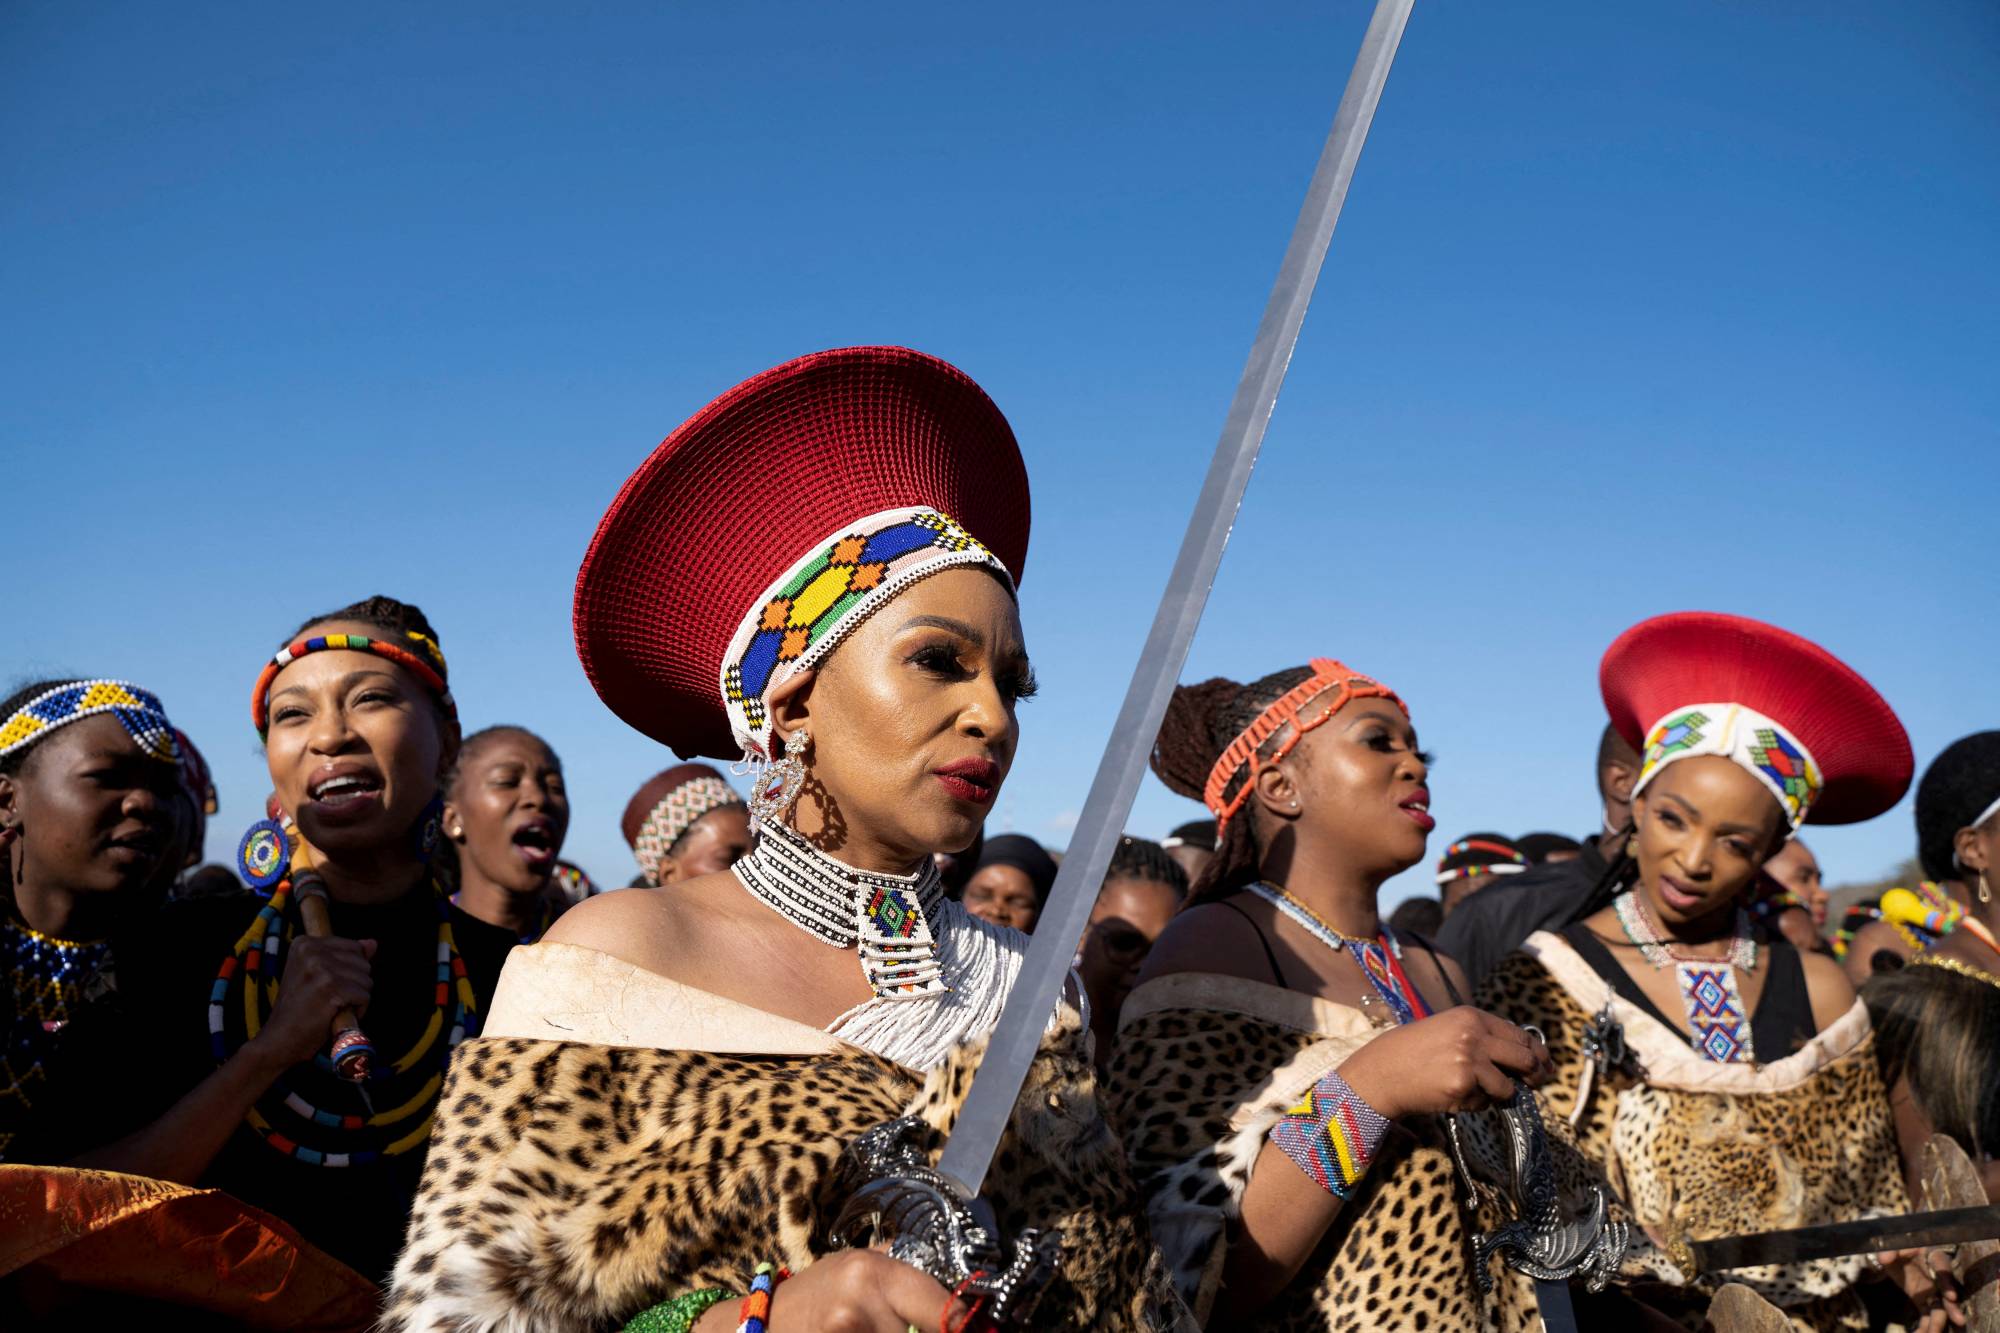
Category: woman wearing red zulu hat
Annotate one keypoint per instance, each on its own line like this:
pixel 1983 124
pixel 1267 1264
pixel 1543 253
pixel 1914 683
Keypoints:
pixel 1723 1078
pixel 817 572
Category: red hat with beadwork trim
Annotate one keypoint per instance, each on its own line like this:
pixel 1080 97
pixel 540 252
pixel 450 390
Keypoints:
pixel 777 518
pixel 1795 716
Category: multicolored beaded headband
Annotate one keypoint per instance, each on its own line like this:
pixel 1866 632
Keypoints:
pixel 431 676
pixel 1513 864
pixel 675 815
pixel 1327 674
pixel 138 711
pixel 1756 743
pixel 843 580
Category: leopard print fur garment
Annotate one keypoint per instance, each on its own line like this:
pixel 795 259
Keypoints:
pixel 570 1186
pixel 1203 1067
pixel 1700 1150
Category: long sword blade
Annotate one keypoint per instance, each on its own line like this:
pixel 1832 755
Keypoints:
pixel 1875 1234
pixel 990 1101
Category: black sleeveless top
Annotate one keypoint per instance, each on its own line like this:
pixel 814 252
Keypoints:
pixel 1781 1023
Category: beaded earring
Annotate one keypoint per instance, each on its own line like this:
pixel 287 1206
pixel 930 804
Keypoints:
pixel 779 785
pixel 264 855
pixel 429 831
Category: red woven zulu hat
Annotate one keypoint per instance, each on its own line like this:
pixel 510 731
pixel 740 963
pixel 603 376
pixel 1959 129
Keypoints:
pixel 774 481
pixel 1796 716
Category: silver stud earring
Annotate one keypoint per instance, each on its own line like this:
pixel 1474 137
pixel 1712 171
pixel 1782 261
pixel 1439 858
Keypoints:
pixel 779 785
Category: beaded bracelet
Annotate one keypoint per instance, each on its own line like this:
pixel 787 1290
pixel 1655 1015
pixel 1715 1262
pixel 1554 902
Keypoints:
pixel 756 1311
pixel 1332 1135
pixel 677 1315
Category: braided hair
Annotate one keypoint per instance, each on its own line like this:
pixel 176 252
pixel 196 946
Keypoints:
pixel 1959 784
pixel 403 622
pixel 1138 858
pixel 1201 722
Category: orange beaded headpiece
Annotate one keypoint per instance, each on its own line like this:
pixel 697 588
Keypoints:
pixel 1244 752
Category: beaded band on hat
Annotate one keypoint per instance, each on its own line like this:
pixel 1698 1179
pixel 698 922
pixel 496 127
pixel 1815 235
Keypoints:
pixel 674 815
pixel 842 580
pixel 432 676
pixel 1760 745
pixel 138 711
pixel 1514 865
pixel 1327 674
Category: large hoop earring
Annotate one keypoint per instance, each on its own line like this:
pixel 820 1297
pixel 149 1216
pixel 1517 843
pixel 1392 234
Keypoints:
pixel 1985 894
pixel 777 788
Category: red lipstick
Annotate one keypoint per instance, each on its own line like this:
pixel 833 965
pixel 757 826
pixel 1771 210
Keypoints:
pixel 974 781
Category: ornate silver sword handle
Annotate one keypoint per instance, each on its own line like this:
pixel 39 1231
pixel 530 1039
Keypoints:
pixel 895 1196
pixel 1535 1236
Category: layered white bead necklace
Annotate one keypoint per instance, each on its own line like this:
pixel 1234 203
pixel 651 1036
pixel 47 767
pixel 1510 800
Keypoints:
pixel 939 975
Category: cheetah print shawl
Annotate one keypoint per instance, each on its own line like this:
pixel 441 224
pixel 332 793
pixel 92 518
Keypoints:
pixel 1203 1067
pixel 1699 1149
pixel 571 1184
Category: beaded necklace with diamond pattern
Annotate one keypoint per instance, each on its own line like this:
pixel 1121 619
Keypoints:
pixel 1717 1017
pixel 887 917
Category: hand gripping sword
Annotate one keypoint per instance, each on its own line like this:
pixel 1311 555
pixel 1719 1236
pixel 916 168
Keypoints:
pixel 925 1205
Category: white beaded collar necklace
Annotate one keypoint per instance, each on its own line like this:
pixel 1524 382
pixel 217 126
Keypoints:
pixel 887 917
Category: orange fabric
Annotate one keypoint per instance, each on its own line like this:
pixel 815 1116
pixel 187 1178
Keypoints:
pixel 1327 674
pixel 65 1233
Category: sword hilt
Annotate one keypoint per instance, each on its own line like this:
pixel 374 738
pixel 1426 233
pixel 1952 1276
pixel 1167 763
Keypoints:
pixel 895 1197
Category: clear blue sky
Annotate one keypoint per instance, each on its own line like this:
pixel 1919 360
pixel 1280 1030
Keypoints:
pixel 1633 309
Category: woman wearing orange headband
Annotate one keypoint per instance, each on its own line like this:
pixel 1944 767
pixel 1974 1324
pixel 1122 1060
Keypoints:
pixel 1281 1060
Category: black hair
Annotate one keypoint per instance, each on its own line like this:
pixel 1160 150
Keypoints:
pixel 13 762
pixel 1417 916
pixel 400 620
pixel 1196 833
pixel 1137 858
pixel 1941 1031
pixel 1959 784
pixel 1537 846
pixel 1613 748
pixel 1201 722
pixel 466 746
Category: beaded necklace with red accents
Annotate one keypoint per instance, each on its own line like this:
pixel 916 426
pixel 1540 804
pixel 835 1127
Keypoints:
pixel 406 1089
